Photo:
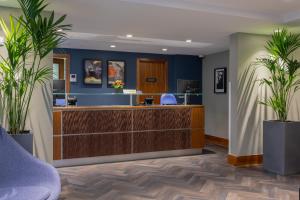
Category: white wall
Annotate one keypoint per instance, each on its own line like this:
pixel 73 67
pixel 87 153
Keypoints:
pixel 40 116
pixel 216 105
pixel 246 115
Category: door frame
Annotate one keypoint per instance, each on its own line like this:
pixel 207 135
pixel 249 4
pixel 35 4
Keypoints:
pixel 151 60
pixel 66 57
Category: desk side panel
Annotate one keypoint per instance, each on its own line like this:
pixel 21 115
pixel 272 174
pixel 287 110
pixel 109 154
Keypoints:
pixel 57 135
pixel 197 128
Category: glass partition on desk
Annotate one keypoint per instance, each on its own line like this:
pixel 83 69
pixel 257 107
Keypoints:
pixel 111 99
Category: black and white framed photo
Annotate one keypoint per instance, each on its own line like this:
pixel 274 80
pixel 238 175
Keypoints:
pixel 220 81
pixel 116 71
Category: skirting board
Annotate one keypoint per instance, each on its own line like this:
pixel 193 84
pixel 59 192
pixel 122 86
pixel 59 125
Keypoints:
pixel 126 157
pixel 245 160
pixel 223 142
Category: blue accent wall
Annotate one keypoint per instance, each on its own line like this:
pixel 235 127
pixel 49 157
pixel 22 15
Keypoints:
pixel 179 67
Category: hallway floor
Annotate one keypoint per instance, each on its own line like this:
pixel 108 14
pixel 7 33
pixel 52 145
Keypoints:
pixel 204 177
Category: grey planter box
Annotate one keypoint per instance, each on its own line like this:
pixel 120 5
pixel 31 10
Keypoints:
pixel 281 146
pixel 25 140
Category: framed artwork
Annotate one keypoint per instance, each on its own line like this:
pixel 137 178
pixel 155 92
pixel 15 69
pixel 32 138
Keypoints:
pixel 220 80
pixel 93 72
pixel 115 71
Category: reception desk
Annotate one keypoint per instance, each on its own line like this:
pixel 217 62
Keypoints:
pixel 84 132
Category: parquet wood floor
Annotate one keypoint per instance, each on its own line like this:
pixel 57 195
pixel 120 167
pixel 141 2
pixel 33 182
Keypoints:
pixel 205 177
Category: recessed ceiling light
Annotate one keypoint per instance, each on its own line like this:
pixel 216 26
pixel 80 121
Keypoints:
pixel 164 49
pixel 112 46
pixel 188 41
pixel 129 35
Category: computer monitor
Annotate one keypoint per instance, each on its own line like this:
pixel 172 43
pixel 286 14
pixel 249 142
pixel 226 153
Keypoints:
pixel 188 86
pixel 59 86
pixel 60 102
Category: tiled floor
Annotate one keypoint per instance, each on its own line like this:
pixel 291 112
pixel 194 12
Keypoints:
pixel 205 176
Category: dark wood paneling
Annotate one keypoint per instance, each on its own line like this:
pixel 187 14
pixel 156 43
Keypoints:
pixel 161 141
pixel 161 119
pixel 97 121
pixel 114 131
pixel 81 146
pixel 175 118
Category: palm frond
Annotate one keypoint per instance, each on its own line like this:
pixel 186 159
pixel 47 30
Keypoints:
pixel 284 71
pixel 34 34
pixel 43 75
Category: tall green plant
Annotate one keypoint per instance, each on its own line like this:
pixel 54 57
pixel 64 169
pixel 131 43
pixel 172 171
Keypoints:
pixel 284 71
pixel 29 39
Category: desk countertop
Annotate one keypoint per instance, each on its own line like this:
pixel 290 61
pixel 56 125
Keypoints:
pixel 120 107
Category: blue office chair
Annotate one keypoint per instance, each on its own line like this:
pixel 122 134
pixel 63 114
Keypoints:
pixel 168 99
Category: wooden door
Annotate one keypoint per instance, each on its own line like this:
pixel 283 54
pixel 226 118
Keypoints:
pixel 61 67
pixel 63 61
pixel 152 77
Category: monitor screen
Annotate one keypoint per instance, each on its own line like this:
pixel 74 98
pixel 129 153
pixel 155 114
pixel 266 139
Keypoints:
pixel 58 86
pixel 60 102
pixel 188 86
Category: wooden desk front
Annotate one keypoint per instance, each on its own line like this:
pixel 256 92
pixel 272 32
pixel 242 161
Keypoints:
pixel 81 132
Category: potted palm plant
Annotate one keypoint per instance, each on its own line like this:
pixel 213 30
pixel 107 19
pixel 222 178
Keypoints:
pixel 29 39
pixel 281 137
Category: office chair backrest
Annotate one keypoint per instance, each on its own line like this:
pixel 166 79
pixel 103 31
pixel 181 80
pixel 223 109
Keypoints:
pixel 168 99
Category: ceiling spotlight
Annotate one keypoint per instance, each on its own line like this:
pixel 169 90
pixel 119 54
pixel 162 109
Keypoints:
pixel 112 46
pixel 164 49
pixel 129 36
pixel 189 41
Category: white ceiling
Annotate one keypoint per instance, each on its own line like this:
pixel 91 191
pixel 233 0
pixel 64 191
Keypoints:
pixel 157 24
